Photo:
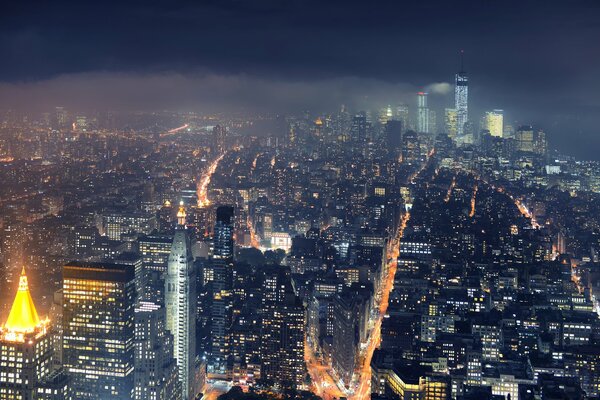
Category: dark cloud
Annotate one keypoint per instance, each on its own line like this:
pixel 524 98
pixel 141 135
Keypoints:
pixel 535 59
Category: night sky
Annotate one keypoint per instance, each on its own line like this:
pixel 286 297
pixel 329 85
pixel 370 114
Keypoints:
pixel 537 60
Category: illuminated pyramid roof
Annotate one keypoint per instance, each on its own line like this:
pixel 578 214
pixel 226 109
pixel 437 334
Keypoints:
pixel 23 317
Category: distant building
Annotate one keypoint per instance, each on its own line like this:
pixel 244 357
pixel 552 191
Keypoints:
pixel 461 100
pixel 423 117
pixel 451 122
pixel 524 139
pixel 494 122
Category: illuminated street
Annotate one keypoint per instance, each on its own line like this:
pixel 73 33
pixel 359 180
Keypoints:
pixel 202 187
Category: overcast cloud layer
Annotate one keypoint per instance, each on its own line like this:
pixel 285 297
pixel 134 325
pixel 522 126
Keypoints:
pixel 537 60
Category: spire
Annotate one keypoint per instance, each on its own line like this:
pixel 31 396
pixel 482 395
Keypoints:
pixel 462 61
pixel 181 214
pixel 23 317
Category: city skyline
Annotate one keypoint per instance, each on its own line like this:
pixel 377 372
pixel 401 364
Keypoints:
pixel 321 64
pixel 299 200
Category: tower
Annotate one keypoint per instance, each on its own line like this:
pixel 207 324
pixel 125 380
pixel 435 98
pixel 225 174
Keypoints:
pixel 25 347
pixel 98 329
pixel 223 239
pixel 423 117
pixel 221 307
pixel 282 330
pixel 450 123
pixel 219 135
pixel 461 97
pixel 180 299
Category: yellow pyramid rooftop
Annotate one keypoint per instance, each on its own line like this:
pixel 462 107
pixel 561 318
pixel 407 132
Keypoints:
pixel 23 317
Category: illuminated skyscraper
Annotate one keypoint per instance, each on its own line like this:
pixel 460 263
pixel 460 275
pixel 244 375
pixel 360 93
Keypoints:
pixel 461 98
pixel 25 347
pixel 450 122
pixel 181 302
pixel 524 139
pixel 494 122
pixel 385 114
pixel 423 117
pixel 403 116
pixel 223 240
pixel 221 265
pixel 155 367
pixel 219 136
pixel 359 128
pixel 282 332
pixel 98 329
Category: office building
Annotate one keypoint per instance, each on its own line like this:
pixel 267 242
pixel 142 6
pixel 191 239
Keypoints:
pixel 98 329
pixel 156 376
pixel 423 117
pixel 524 139
pixel 451 122
pixel 494 122
pixel 223 235
pixel 282 332
pixel 461 99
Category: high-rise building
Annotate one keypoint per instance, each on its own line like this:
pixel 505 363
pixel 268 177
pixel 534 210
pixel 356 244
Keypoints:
pixel 181 303
pixel 524 139
pixel 155 367
pixel 350 312
pixel 359 128
pixel 402 115
pixel 393 137
pixel 540 144
pixel 155 251
pixel 221 266
pixel 25 347
pixel 423 117
pixel 98 329
pixel 219 136
pixel 451 122
pixel 494 122
pixel 282 331
pixel 385 114
pixel 461 99
pixel 411 147
pixel 223 238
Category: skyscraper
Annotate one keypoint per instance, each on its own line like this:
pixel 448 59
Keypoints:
pixel 181 303
pixel 393 136
pixel 155 367
pixel 450 122
pixel 402 115
pixel 223 239
pixel 423 117
pixel 219 136
pixel 359 128
pixel 282 332
pixel 461 97
pixel 98 326
pixel 524 139
pixel 25 347
pixel 494 122
pixel 221 265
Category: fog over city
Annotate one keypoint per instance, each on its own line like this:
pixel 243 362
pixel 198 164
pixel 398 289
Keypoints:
pixel 535 60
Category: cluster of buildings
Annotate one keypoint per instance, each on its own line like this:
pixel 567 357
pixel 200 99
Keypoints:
pixel 347 254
